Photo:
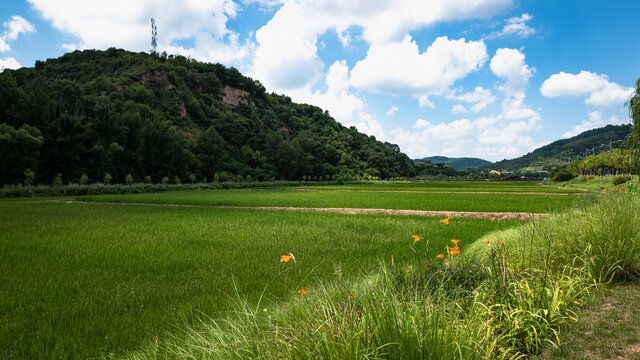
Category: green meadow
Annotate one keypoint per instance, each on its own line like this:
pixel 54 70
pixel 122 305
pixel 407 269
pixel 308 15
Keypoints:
pixel 81 280
pixel 348 199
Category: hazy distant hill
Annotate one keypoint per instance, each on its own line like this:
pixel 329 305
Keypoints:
pixel 456 163
pixel 559 152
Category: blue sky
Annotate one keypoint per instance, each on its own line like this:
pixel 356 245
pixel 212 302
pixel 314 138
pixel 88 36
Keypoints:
pixel 484 78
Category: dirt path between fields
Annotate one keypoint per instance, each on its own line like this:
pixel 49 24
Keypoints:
pixel 468 214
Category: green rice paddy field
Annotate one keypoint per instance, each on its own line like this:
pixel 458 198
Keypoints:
pixel 84 280
pixel 337 198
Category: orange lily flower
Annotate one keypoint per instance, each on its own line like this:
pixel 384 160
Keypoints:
pixel 303 292
pixel 416 238
pixel 285 258
pixel 439 256
pixel 455 241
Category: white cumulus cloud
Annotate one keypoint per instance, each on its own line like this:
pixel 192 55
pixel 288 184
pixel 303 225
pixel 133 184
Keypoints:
pixel 126 24
pixel 399 68
pixel 509 64
pixel 515 26
pixel 286 47
pixel 480 98
pixel 598 89
pixel 12 29
pixel 392 110
pixel 596 120
pixel 9 63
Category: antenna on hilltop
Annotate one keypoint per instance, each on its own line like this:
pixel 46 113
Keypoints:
pixel 154 36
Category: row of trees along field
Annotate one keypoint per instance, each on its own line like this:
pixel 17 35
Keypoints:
pixel 618 161
pixel 92 113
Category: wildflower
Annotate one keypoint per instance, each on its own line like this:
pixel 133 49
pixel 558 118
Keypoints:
pixel 455 242
pixel 500 242
pixel 303 292
pixel 488 243
pixel 446 262
pixel 409 269
pixel 416 238
pixel 453 250
pixel 287 258
pixel 439 256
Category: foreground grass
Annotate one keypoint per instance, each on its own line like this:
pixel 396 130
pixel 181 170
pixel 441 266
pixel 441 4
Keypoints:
pixel 607 329
pixel 507 298
pixel 80 280
pixel 365 200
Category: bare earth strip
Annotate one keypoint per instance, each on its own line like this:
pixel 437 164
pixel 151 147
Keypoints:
pixel 449 192
pixel 470 214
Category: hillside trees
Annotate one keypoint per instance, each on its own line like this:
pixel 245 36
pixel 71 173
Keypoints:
pixel 120 113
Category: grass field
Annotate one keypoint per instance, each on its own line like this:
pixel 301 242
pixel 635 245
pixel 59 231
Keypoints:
pixel 453 186
pixel 365 200
pixel 79 280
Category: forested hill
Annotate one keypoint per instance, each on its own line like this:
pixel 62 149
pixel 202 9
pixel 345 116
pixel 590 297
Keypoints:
pixel 97 112
pixel 463 163
pixel 559 152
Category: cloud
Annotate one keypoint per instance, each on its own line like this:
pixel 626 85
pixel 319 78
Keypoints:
pixel 13 28
pixel 399 68
pixel 596 120
pixel 126 24
pixel 480 98
pixel 342 105
pixel 459 108
pixel 509 64
pixel 424 101
pixel 494 137
pixel 9 63
pixel 286 47
pixel 600 91
pixel 392 110
pixel 515 26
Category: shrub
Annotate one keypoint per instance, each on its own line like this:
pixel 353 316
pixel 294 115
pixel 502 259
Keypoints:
pixel 107 179
pixel 57 180
pixel 84 179
pixel 165 180
pixel 562 174
pixel 620 179
pixel 29 177
pixel 147 179
pixel 128 179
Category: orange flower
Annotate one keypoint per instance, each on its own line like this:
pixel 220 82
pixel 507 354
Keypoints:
pixel 303 292
pixel 287 258
pixel 439 256
pixel 453 250
pixel 455 242
pixel 500 242
pixel 416 238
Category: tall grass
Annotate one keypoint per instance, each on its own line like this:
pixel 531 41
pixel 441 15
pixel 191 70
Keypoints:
pixel 505 298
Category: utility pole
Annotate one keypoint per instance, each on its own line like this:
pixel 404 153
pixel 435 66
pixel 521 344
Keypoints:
pixel 154 36
pixel 610 144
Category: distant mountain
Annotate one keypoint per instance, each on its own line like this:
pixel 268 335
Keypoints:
pixel 456 163
pixel 559 152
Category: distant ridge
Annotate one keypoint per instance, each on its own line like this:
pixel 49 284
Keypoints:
pixel 559 152
pixel 462 163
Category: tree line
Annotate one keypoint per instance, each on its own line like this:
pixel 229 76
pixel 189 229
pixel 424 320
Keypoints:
pixel 92 115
